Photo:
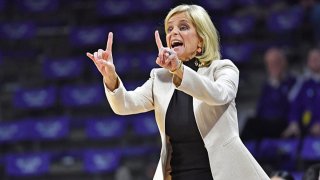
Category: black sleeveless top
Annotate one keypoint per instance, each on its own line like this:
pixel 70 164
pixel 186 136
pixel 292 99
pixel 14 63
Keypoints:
pixel 189 158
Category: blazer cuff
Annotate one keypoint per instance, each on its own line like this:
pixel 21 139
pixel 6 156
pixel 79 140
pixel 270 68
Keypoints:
pixel 109 92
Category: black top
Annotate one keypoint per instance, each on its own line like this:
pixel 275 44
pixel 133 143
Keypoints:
pixel 189 159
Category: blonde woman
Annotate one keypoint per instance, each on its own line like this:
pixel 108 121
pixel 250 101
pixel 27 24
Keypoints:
pixel 193 97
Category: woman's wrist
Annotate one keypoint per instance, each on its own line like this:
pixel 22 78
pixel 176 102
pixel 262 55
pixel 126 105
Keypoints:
pixel 111 82
pixel 178 68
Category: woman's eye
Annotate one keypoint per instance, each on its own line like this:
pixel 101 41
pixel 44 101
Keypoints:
pixel 184 27
pixel 169 29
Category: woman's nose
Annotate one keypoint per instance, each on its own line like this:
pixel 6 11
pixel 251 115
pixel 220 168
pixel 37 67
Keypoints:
pixel 175 31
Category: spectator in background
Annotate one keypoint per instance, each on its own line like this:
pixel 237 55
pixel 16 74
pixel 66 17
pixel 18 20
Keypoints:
pixel 304 116
pixel 312 173
pixel 273 105
pixel 281 175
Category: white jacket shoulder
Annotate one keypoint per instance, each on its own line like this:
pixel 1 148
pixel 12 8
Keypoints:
pixel 223 63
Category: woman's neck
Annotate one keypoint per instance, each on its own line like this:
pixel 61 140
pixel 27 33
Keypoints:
pixel 191 63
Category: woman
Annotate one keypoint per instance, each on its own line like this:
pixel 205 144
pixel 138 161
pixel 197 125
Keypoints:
pixel 194 105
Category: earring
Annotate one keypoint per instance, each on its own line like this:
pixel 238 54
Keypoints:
pixel 199 51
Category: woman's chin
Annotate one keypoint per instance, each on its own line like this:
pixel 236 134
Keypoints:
pixel 182 58
pixel 180 55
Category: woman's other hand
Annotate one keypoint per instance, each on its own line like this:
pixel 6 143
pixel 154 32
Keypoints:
pixel 167 58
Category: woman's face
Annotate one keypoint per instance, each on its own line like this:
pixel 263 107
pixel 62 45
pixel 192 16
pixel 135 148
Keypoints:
pixel 182 36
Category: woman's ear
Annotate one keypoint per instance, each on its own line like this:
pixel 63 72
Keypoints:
pixel 199 50
pixel 199 47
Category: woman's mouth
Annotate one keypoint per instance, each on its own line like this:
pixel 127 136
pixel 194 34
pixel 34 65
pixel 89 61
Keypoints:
pixel 176 43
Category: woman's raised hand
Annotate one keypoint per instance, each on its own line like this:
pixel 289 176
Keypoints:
pixel 104 63
pixel 167 58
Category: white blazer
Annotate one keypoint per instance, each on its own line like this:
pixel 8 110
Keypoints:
pixel 214 91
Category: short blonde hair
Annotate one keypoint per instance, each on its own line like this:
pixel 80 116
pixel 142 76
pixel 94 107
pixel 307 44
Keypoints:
pixel 205 29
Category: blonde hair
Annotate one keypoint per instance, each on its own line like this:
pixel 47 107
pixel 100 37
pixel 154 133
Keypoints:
pixel 205 29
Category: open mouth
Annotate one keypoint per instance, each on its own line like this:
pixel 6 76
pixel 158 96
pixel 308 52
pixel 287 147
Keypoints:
pixel 176 43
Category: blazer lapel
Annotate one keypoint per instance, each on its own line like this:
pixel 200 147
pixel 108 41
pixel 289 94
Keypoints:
pixel 164 89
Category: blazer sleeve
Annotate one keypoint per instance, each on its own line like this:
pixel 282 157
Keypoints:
pixel 219 89
pixel 125 102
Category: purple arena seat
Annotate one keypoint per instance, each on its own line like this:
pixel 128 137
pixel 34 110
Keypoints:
pixel 123 62
pixel 284 21
pixel 14 131
pixel 145 124
pixel 275 148
pixel 138 63
pixel 115 8
pixel 88 36
pixel 135 32
pixel 49 128
pixel 102 160
pixel 239 53
pixel 235 26
pixel 297 175
pixel 147 61
pixel 311 149
pixel 82 95
pixel 17 30
pixel 64 68
pixel 103 128
pixel 37 98
pixel 27 164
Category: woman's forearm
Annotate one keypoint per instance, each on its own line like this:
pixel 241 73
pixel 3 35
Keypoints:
pixel 111 82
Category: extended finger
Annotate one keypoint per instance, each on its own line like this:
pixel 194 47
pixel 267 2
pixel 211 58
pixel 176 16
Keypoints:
pixel 158 40
pixel 90 56
pixel 109 42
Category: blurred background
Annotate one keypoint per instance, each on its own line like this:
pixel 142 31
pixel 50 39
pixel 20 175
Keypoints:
pixel 55 121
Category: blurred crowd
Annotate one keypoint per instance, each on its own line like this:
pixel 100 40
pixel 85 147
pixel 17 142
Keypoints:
pixel 289 105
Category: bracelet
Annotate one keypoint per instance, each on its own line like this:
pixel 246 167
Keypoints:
pixel 179 67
